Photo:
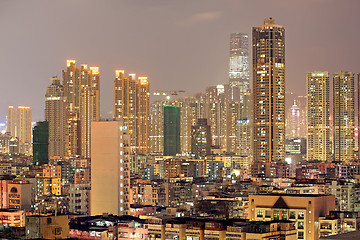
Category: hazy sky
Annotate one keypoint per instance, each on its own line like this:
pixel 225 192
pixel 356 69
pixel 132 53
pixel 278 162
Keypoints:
pixel 178 44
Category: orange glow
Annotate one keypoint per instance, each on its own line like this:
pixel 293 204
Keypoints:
pixel 117 72
pixel 143 80
pixel 94 70
pixel 68 62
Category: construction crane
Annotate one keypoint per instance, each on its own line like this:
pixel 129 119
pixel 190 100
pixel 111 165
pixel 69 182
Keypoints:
pixel 167 93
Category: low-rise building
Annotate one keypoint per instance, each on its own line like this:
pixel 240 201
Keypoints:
pixel 304 210
pixel 12 217
pixel 339 222
pixel 47 227
pixel 79 198
pixel 20 195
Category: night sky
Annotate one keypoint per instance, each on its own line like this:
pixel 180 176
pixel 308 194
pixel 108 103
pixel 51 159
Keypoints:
pixel 179 45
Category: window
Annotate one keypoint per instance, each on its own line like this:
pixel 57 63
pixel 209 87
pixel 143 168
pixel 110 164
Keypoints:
pixel 268 214
pixel 57 231
pixel 276 215
pixel 284 215
pixel 300 235
pixel 259 213
pixel 292 215
pixel 300 225
pixel 301 215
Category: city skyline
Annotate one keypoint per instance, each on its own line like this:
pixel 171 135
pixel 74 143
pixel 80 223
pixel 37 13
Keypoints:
pixel 179 120
pixel 109 53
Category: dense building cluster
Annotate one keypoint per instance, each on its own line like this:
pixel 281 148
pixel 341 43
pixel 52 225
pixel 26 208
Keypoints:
pixel 232 162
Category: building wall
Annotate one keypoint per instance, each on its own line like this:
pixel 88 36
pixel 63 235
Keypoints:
pixel 12 218
pixel 20 195
pixel 47 227
pixel 171 130
pixel 344 116
pixel 307 210
pixel 318 113
pixel 268 94
pixel 55 115
pixel 110 168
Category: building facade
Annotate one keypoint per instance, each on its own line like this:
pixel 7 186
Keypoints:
pixel 268 95
pixel 305 210
pixel 82 92
pixel 11 121
pixel 201 139
pixel 344 116
pixel 131 103
pixel 110 168
pixel 171 130
pixel 318 113
pixel 55 115
pixel 41 143
pixel 239 72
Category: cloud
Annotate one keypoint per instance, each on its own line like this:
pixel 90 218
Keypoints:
pixel 200 17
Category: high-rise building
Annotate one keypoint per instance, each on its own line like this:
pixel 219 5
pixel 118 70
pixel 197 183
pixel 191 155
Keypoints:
pixel 94 82
pixel 344 116
pixel 110 168
pixel 301 103
pixel 171 130
pixel 243 137
pixel 11 121
pixel 23 129
pixel 318 109
pixel 157 128
pixel 82 92
pixel 239 73
pixel 71 82
pixel 268 95
pixel 41 143
pixel 201 139
pixel 89 106
pixel 294 121
pixel 216 113
pixel 131 103
pixel 55 115
pixel 5 142
pixel 142 115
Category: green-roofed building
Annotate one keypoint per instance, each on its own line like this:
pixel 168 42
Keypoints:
pixel 41 143
pixel 171 130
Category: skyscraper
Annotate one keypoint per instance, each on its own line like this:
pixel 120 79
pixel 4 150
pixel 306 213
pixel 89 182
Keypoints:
pixel 82 92
pixel 171 130
pixel 55 115
pixel 89 106
pixel 318 109
pixel 41 143
pixel 157 128
pixel 142 115
pixel 11 121
pixel 295 121
pixel 344 116
pixel 131 103
pixel 71 82
pixel 23 128
pixel 239 73
pixel 110 168
pixel 268 95
pixel 243 138
pixel 201 139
